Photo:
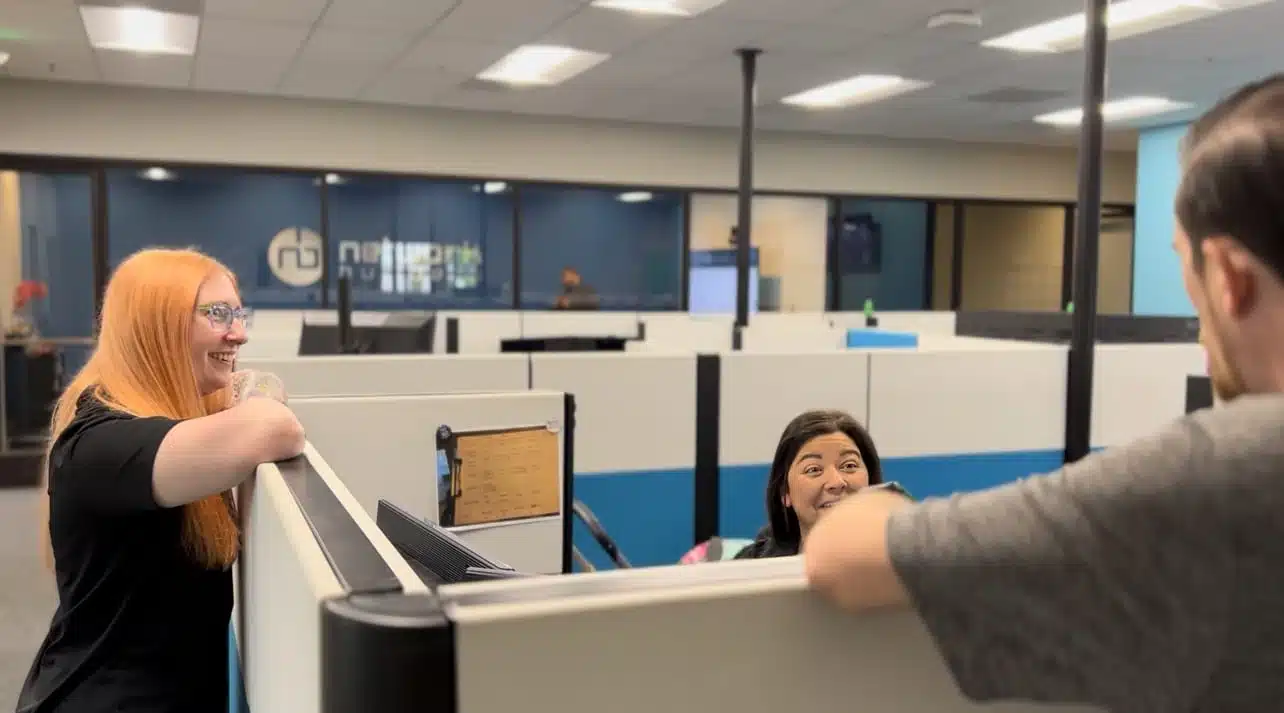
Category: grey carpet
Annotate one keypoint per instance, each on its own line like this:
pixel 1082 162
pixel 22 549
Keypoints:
pixel 27 596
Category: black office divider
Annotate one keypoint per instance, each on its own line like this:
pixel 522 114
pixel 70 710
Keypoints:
pixel 452 335
pixel 568 482
pixel 391 653
pixel 346 345
pixel 707 474
pixel 736 338
pixel 1199 393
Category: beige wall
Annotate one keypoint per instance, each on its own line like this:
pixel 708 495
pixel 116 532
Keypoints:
pixel 65 119
pixel 943 256
pixel 10 243
pixel 789 234
pixel 1012 257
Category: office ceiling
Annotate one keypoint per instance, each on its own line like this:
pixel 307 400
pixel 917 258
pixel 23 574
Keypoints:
pixel 662 70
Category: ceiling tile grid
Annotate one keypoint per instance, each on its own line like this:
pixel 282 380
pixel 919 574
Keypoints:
pixel 663 69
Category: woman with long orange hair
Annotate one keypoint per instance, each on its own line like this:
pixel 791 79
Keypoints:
pixel 147 444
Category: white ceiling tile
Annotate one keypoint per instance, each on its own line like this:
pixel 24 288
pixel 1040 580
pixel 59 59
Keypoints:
pixel 267 10
pixel 62 61
pixel 608 31
pixel 249 38
pixel 233 73
pixel 332 46
pixel 780 11
pixel 404 16
pixel 504 21
pixel 40 21
pixel 466 57
pixel 150 70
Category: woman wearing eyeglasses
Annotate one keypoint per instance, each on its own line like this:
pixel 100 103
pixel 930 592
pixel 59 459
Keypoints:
pixel 147 443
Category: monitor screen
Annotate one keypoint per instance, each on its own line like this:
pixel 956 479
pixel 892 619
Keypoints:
pixel 712 289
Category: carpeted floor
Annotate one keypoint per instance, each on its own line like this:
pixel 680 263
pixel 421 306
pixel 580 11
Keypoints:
pixel 27 597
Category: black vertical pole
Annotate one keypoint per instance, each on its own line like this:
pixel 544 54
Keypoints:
pixel 744 241
pixel 1084 323
pixel 346 345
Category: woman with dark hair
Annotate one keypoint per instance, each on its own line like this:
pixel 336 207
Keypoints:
pixel 822 457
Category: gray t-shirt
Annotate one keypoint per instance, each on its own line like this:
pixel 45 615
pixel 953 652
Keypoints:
pixel 1148 577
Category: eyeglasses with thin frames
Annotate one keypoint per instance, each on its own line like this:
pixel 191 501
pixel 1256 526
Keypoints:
pixel 223 315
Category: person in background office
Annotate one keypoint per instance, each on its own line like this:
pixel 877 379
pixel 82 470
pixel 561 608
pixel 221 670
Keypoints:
pixel 822 457
pixel 1146 577
pixel 575 294
pixel 147 443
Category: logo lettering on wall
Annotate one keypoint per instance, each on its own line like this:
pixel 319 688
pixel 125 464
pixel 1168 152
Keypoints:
pixel 404 267
pixel 294 256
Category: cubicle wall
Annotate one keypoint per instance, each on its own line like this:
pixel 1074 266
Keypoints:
pixel 676 447
pixel 1137 388
pixel 634 447
pixel 385 448
pixel 377 375
pixel 947 421
pixel 286 573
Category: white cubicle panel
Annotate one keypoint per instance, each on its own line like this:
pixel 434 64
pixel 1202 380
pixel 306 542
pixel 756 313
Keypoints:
pixel 632 412
pixel 375 375
pixel 919 322
pixel 793 335
pixel 983 401
pixel 679 331
pixel 384 447
pixel 1138 388
pixel 480 332
pixel 702 636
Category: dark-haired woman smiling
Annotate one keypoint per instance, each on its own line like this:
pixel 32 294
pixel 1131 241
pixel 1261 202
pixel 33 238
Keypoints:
pixel 822 457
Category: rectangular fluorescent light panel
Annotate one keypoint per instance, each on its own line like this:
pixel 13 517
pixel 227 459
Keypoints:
pixel 1123 19
pixel 140 29
pixel 541 65
pixel 670 8
pixel 1116 110
pixel 635 197
pixel 862 89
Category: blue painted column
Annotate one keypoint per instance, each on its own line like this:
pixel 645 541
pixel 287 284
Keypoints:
pixel 1156 270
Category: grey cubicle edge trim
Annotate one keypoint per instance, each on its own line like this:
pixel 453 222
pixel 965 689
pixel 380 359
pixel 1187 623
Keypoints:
pixel 568 482
pixel 356 563
pixel 452 335
pixel 391 653
pixel 708 398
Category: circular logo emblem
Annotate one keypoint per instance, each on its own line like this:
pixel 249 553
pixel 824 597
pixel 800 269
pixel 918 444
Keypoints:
pixel 294 256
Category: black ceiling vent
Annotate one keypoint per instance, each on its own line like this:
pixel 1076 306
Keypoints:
pixel 1015 95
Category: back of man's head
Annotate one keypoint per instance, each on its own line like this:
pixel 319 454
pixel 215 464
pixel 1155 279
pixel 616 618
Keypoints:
pixel 1233 174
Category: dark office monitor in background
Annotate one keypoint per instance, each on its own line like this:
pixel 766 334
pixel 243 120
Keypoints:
pixel 402 334
pixel 437 555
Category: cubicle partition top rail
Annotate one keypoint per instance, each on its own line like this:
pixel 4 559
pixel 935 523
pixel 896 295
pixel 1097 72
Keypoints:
pixel 382 649
pixel 1056 327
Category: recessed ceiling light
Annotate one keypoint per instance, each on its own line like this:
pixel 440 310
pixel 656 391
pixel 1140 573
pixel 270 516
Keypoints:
pixel 671 8
pixel 140 29
pixel 493 187
pixel 1124 19
pixel 635 197
pixel 156 173
pixel 541 65
pixel 861 89
pixel 1116 110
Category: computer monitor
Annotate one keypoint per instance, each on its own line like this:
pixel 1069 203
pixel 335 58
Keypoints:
pixel 437 555
pixel 403 335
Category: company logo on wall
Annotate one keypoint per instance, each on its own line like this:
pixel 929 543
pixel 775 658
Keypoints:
pixel 294 256
pixel 403 267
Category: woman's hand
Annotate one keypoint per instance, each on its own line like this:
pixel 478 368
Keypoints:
pixel 249 384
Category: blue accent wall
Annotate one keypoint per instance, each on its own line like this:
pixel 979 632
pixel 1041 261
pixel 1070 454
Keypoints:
pixel 650 515
pixel 899 283
pixel 1157 284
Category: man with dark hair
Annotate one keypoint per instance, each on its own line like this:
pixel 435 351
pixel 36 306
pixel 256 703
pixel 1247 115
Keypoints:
pixel 576 294
pixel 1147 577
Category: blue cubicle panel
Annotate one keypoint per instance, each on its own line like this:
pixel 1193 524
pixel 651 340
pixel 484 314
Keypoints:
pixel 879 339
